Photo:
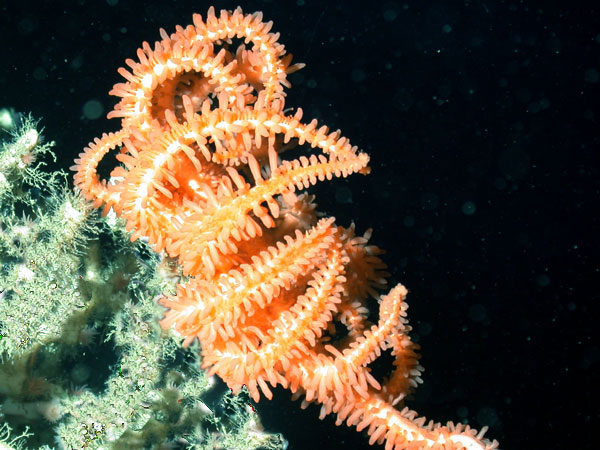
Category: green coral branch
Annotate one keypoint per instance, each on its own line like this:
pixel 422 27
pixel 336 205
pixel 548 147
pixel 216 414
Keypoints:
pixel 85 362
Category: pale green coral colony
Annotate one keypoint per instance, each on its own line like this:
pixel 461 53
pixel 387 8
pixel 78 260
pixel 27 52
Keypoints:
pixel 83 362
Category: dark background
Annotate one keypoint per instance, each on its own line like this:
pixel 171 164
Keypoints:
pixel 481 118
